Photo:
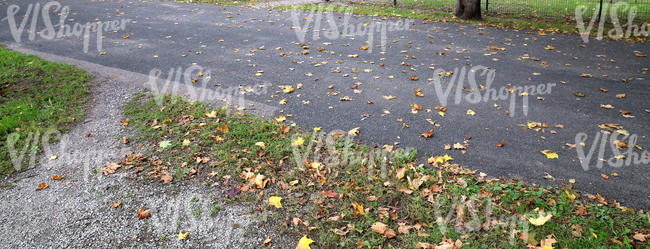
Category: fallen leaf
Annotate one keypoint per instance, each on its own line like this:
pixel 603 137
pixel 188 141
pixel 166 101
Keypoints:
pixel 304 243
pixel 541 220
pixel 299 141
pixel 183 236
pixel 57 177
pixel 261 144
pixel 166 178
pixel 275 201
pixel 165 144
pixel 620 95
pixel 354 132
pixel 143 213
pixel 427 134
pixel 212 114
pixel 550 154
pixel 606 106
pixel 501 143
pixel 223 129
pixel 41 186
pixel 470 112
pixel 604 176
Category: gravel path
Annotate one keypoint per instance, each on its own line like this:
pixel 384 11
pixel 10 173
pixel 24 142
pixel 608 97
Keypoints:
pixel 76 212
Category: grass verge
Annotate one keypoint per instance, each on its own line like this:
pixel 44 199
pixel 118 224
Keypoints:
pixel 36 96
pixel 342 193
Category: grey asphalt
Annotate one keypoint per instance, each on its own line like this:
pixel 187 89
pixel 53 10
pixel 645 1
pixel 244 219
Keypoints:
pixel 167 35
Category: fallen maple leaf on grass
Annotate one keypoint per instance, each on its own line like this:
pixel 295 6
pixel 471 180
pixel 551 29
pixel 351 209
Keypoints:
pixel 383 229
pixel 541 220
pixel 304 243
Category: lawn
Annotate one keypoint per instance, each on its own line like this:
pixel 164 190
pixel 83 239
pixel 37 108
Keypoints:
pixel 36 97
pixel 344 194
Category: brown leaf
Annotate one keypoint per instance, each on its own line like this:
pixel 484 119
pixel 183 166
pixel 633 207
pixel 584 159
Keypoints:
pixel 604 176
pixel 427 134
pixel 418 92
pixel 414 78
pixel 223 129
pixel 577 230
pixel 379 228
pixel 41 186
pixel 124 122
pixel 365 47
pixel 639 236
pixel 166 178
pixel 125 140
pixel 284 129
pixel 620 95
pixel 57 177
pixel 143 214
pixel 501 143
pixel 370 102
pixel 459 146
pixel 620 144
pixel 117 204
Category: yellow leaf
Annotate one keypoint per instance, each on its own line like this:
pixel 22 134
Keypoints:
pixel 280 118
pixel 183 236
pixel 359 208
pixel 354 132
pixel 299 141
pixel 218 138
pixel 288 90
pixel 186 142
pixel 261 144
pixel 541 220
pixel 212 114
pixel 304 243
pixel 441 114
pixel 549 154
pixel 447 158
pixel 275 201
pixel 317 129
pixel 595 236
pixel 54 157
pixel 294 182
pixel 283 101
pixel 470 112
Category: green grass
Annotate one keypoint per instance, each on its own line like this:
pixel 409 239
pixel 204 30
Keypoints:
pixel 36 96
pixel 319 201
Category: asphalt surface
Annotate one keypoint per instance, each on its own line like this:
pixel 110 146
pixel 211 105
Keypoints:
pixel 166 35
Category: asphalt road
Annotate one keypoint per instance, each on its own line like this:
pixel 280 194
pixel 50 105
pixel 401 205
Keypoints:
pixel 166 35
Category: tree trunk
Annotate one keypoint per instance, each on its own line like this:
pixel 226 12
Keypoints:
pixel 468 9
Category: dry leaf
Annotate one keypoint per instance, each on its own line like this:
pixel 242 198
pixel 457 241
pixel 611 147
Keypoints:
pixel 427 134
pixel 57 177
pixel 117 204
pixel 143 213
pixel 41 186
